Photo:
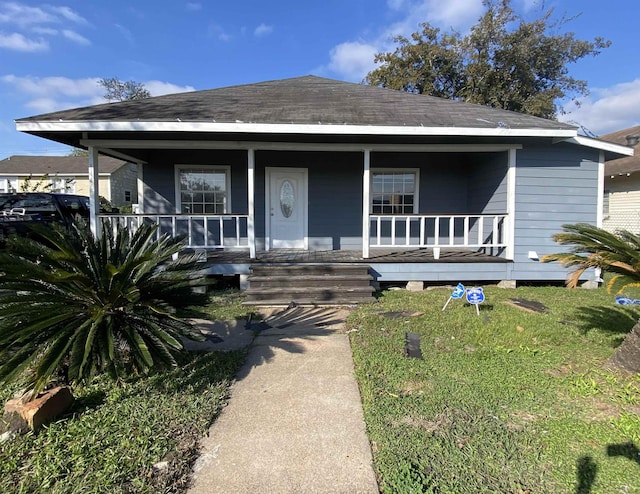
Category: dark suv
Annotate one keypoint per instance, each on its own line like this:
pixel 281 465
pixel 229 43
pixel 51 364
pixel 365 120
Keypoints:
pixel 19 210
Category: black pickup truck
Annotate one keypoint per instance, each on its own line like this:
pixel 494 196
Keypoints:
pixel 19 210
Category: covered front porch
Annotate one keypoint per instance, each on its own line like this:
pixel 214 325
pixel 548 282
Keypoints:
pixel 341 200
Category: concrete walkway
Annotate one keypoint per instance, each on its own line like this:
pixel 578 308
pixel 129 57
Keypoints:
pixel 294 423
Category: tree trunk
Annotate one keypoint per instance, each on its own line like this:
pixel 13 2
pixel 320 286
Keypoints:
pixel 627 355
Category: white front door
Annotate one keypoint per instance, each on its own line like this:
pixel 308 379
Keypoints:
pixel 286 208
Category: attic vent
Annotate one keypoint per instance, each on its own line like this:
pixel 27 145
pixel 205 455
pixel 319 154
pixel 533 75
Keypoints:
pixel 633 139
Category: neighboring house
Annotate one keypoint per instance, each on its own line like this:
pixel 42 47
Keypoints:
pixel 69 174
pixel 622 184
pixel 313 170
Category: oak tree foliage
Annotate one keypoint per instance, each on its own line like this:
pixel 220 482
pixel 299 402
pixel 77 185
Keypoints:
pixel 504 62
pixel 117 90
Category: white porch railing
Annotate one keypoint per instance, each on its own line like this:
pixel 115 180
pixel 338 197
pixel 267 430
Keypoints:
pixel 201 231
pixel 438 231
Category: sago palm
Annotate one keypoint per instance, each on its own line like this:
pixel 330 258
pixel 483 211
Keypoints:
pixel 78 305
pixel 593 247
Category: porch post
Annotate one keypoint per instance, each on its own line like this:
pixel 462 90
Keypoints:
pixel 511 205
pixel 366 181
pixel 140 188
pixel 600 201
pixel 251 182
pixel 94 194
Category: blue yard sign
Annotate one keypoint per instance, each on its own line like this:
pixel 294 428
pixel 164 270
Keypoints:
pixel 475 296
pixel 458 292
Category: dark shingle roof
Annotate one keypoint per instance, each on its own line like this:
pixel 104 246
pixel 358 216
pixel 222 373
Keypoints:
pixel 628 164
pixel 51 165
pixel 307 100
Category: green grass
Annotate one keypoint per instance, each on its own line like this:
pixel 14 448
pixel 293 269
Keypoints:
pixel 507 401
pixel 116 432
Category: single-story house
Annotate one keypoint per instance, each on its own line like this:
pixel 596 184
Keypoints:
pixel 319 171
pixel 622 184
pixel 69 174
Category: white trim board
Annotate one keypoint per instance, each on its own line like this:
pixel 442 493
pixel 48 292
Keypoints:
pixel 261 128
pixel 597 144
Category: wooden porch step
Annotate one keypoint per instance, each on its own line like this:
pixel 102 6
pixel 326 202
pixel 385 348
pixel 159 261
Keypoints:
pixel 337 281
pixel 306 284
pixel 309 269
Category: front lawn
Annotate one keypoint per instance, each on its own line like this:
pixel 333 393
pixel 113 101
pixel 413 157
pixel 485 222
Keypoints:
pixel 507 401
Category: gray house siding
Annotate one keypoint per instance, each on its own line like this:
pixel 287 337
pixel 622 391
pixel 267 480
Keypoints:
pixel 554 186
pixel 158 176
pixel 441 271
pixel 124 180
pixel 450 183
pixel 488 183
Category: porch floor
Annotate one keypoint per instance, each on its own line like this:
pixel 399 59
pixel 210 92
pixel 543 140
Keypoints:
pixel 384 255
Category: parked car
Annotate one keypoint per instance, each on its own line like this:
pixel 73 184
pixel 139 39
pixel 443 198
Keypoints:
pixel 20 210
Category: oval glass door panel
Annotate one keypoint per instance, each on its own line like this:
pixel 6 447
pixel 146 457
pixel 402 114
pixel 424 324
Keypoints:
pixel 287 199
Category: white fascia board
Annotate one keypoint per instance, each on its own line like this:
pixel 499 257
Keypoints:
pixel 601 145
pixel 256 128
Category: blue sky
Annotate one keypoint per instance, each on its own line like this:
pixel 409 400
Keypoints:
pixel 52 54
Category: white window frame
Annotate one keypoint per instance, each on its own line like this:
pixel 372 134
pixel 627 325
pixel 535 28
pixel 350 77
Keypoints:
pixel 226 169
pixel 416 193
pixel 7 183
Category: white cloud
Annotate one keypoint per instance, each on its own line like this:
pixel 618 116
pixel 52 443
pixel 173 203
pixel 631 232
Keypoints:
pixel 27 20
pixel 41 86
pixel 194 6
pixel 68 14
pixel 18 42
pixel 159 88
pixel 48 105
pixel 607 109
pixel 458 14
pixel 352 60
pixel 75 37
pixel 47 94
pixel 263 30
pixel 452 14
pixel 22 15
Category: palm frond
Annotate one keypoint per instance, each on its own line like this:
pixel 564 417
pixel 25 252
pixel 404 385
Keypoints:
pixel 593 247
pixel 96 304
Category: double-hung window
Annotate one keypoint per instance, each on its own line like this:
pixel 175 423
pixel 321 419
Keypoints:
pixel 394 191
pixel 203 189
